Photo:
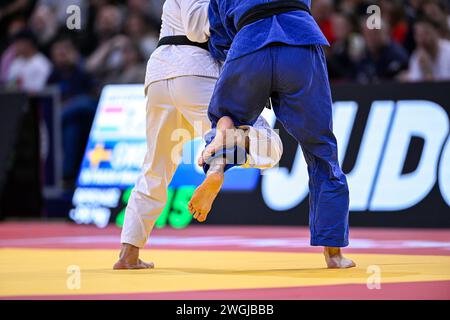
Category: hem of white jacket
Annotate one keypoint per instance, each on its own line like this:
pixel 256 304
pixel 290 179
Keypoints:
pixel 168 76
pixel 134 242
pixel 271 140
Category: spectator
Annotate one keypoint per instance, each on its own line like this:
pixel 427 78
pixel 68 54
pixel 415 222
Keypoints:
pixel 132 67
pixel 29 69
pixel 9 54
pixel 355 7
pixel 322 11
pixel 107 58
pixel 152 9
pixel 68 70
pixel 411 9
pixel 438 12
pixel 45 26
pixel 144 35
pixel 10 10
pixel 346 50
pixel 108 23
pixel 431 59
pixel 383 59
pixel 58 9
pixel 393 12
pixel 107 29
pixel 78 105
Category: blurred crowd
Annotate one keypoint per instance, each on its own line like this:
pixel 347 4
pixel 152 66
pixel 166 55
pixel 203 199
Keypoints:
pixel 38 48
pixel 117 37
pixel 410 44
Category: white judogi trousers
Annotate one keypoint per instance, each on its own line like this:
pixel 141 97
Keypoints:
pixel 179 103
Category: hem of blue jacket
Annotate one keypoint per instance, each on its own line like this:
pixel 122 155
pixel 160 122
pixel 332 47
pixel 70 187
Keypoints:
pixel 329 243
pixel 235 54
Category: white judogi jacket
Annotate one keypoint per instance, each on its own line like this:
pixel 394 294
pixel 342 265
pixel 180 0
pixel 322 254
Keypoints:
pixel 183 17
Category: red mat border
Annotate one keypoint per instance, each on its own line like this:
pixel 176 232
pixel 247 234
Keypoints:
pixel 427 290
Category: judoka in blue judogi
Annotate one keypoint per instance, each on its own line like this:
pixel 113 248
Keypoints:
pixel 276 51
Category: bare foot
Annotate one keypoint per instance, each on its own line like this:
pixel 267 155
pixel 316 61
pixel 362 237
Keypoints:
pixel 335 259
pixel 129 259
pixel 204 196
pixel 225 126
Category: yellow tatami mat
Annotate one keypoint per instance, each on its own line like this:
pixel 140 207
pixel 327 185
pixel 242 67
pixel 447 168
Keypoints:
pixel 75 271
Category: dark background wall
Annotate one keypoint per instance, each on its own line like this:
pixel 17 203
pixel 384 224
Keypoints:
pixel 20 181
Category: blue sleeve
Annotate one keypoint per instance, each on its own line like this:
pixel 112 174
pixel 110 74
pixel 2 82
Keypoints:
pixel 219 41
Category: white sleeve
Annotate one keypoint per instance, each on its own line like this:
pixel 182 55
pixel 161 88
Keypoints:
pixel 194 16
pixel 265 147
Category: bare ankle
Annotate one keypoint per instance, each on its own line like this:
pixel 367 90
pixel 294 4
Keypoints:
pixel 332 251
pixel 129 251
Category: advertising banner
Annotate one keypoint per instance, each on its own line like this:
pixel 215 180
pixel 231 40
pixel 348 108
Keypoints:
pixel 393 142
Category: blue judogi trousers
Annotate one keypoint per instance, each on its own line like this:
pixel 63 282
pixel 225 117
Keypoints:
pixel 295 77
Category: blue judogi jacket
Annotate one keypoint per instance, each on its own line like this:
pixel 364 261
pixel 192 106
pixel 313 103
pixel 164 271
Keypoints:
pixel 292 28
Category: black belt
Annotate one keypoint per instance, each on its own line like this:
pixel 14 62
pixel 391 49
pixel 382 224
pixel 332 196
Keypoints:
pixel 269 9
pixel 181 41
